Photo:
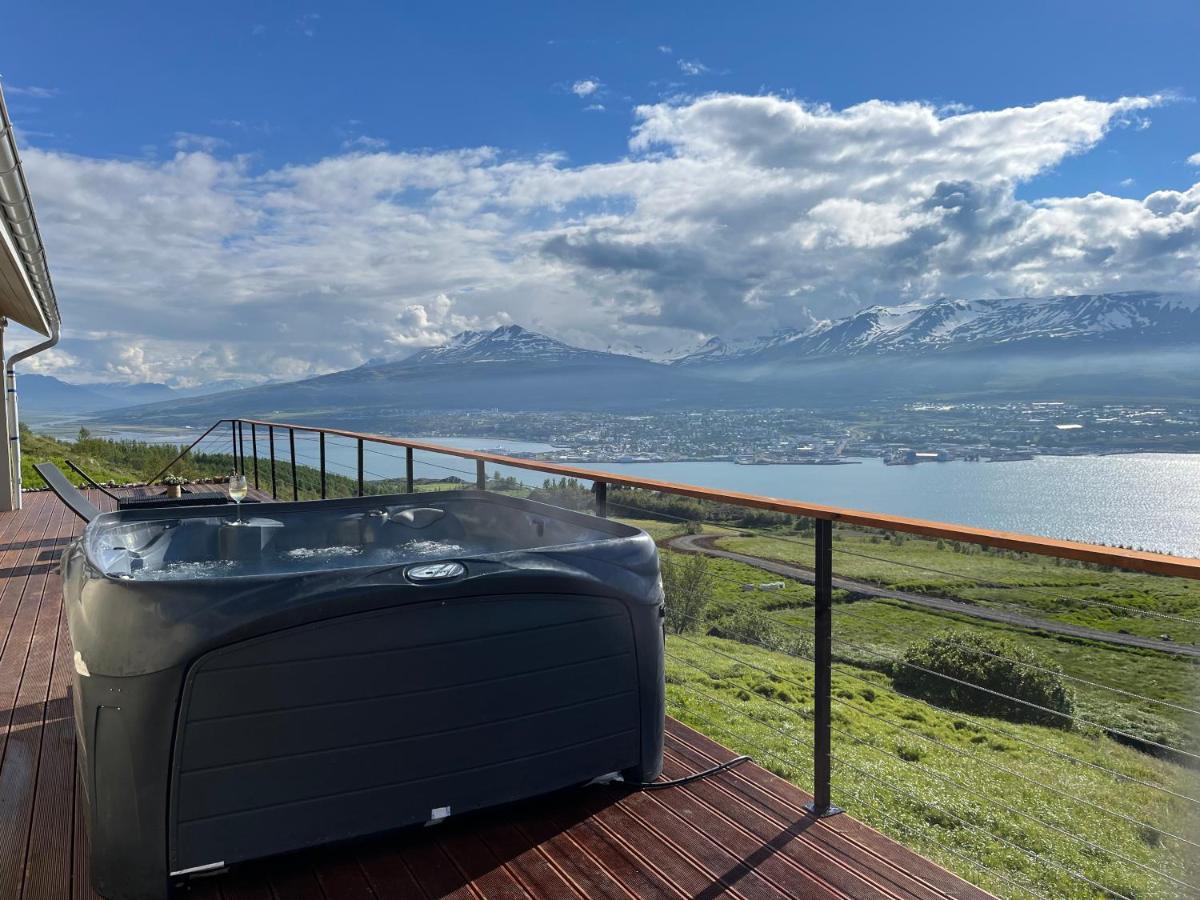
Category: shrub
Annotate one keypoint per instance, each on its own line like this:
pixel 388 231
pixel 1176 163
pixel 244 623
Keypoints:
pixel 751 626
pixel 991 663
pixel 688 586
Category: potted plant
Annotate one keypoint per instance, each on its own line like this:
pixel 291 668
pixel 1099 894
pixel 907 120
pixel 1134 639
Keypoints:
pixel 174 485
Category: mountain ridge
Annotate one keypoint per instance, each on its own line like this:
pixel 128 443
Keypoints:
pixel 954 324
pixel 1107 345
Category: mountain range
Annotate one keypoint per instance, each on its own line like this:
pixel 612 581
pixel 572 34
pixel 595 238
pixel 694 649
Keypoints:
pixel 1074 322
pixel 1096 346
pixel 47 395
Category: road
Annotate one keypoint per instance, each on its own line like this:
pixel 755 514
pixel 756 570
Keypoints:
pixel 700 543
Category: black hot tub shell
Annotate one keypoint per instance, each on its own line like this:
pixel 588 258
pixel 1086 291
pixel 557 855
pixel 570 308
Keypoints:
pixel 337 668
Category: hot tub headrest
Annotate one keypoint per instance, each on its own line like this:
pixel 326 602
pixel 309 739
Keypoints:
pixel 422 517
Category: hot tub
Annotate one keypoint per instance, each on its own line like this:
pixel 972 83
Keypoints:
pixel 332 669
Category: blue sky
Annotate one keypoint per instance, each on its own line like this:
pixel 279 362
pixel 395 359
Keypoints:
pixel 268 90
pixel 301 79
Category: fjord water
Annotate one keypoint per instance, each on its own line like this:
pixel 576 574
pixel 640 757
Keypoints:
pixel 1144 500
pixel 1149 501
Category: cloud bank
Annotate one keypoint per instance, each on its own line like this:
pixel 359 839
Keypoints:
pixel 729 214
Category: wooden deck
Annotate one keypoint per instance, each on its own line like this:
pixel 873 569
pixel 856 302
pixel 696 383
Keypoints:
pixel 743 833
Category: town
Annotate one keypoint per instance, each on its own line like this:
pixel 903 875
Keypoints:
pixel 914 433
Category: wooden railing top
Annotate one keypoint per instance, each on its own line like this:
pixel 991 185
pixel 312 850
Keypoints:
pixel 1135 560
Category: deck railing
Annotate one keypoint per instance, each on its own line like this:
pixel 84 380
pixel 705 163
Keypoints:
pixel 1029 816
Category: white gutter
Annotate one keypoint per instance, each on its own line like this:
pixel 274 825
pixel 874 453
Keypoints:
pixel 10 410
pixel 18 221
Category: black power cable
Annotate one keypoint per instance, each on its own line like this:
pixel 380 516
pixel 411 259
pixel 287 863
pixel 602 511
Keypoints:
pixel 688 779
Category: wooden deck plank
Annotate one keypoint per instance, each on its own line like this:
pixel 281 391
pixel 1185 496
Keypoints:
pixel 31 647
pixel 782 829
pixel 832 833
pixel 479 866
pixel 341 876
pixel 529 865
pixel 435 871
pixel 591 847
pixel 743 833
pixel 49 866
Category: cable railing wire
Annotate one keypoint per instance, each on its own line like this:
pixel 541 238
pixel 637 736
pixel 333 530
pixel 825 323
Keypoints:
pixel 1032 854
pixel 840 610
pixel 914 566
pixel 787 539
pixel 921 836
pixel 801 739
pixel 417 461
pixel 1082 841
pixel 1002 732
pixel 892 659
pixel 930 772
pixel 1028 703
pixel 960 751
pixel 802 714
pixel 982 582
pixel 1050 751
pixel 1034 611
pixel 807 714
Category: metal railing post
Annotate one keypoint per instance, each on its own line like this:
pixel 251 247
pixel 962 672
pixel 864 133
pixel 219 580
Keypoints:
pixel 271 442
pixel 360 467
pixel 254 451
pixel 233 440
pixel 822 804
pixel 480 475
pixel 292 451
pixel 242 445
pixel 408 468
pixel 322 465
pixel 601 489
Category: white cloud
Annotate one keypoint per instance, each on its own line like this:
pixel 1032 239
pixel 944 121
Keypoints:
pixel 691 66
pixel 730 214
pixel 307 23
pixel 38 93
pixel 586 87
pixel 594 107
pixel 665 48
pixel 1194 159
pixel 364 142
pixel 186 140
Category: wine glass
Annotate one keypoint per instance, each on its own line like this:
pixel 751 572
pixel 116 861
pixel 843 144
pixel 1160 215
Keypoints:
pixel 237 490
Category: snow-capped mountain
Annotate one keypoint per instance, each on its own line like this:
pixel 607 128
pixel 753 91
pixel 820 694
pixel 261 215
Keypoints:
pixel 1089 346
pixel 1133 320
pixel 717 349
pixel 509 343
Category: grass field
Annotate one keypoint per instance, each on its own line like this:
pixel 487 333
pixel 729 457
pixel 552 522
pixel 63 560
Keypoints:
pixel 937 780
pixel 999 803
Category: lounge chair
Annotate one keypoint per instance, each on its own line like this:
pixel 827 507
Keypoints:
pixel 67 492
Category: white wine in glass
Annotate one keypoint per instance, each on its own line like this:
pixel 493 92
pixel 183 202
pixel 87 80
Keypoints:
pixel 237 490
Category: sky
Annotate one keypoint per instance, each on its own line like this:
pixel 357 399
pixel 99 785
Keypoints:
pixel 269 190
